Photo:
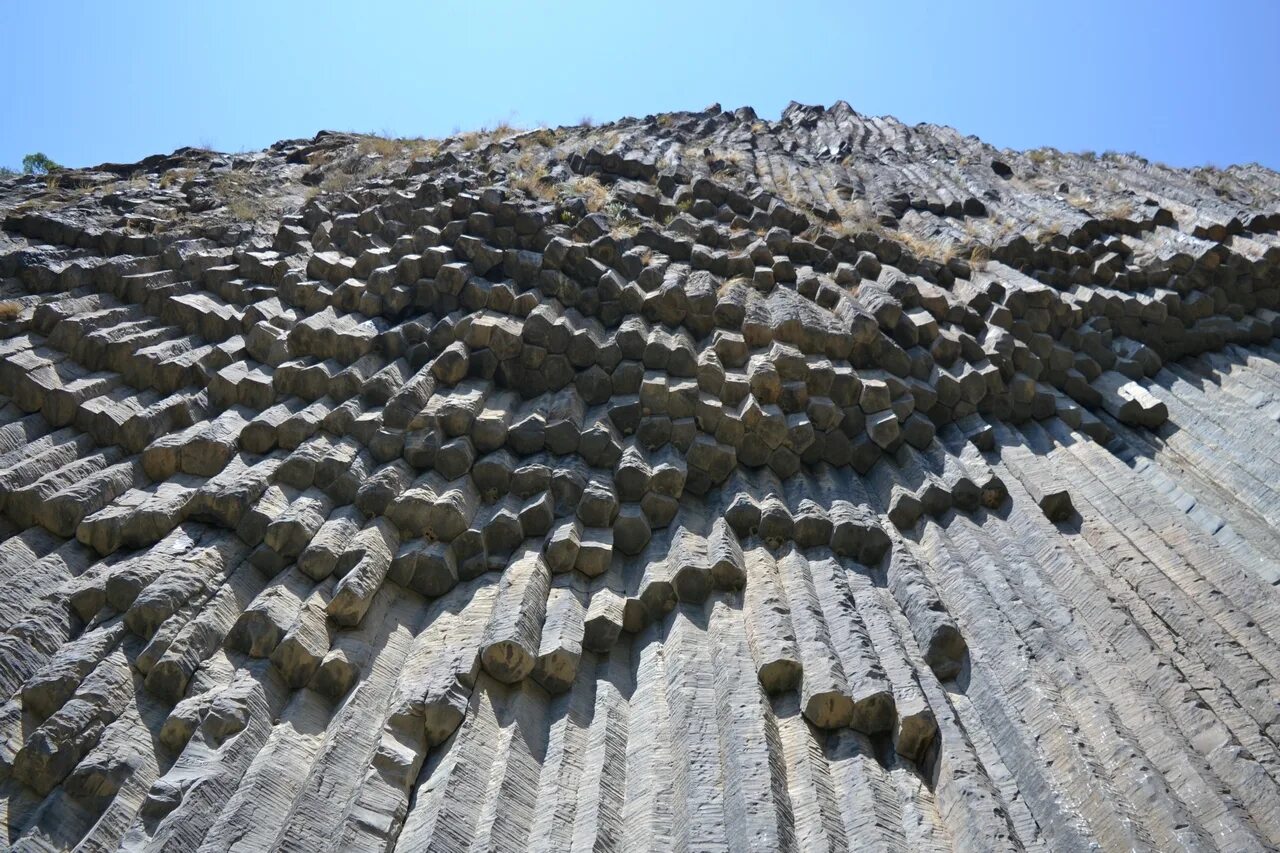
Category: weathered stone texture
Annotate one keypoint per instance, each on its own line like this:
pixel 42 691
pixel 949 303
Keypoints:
pixel 695 482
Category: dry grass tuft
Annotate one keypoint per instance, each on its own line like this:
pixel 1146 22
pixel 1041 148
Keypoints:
pixel 980 257
pixel 531 179
pixel 590 189
pixel 380 146
pixel 1045 155
pixel 926 248
pixel 1045 236
pixel 622 222
pixel 503 130
pixel 473 139
pixel 856 217
pixel 420 147
pixel 176 177
pixel 337 181
pixel 1120 210
pixel 244 201
pixel 244 209
pixel 543 136
pixel 10 310
pixel 726 161
pixel 1075 198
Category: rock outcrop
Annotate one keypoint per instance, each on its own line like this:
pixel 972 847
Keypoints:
pixel 694 482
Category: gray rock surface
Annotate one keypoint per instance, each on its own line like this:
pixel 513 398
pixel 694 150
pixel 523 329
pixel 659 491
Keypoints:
pixel 693 482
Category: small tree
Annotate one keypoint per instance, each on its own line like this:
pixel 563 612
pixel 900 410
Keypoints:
pixel 38 164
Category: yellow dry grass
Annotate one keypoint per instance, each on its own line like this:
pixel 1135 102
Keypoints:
pixel 590 189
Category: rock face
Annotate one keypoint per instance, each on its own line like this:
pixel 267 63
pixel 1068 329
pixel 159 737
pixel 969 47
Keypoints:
pixel 694 482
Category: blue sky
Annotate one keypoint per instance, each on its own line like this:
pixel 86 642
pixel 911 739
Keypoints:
pixel 90 82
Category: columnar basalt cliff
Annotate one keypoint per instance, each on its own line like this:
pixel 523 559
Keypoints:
pixel 694 482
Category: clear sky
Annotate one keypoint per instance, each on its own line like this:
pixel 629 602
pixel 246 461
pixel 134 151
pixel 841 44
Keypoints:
pixel 1184 82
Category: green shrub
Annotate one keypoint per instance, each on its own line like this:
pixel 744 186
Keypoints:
pixel 38 164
